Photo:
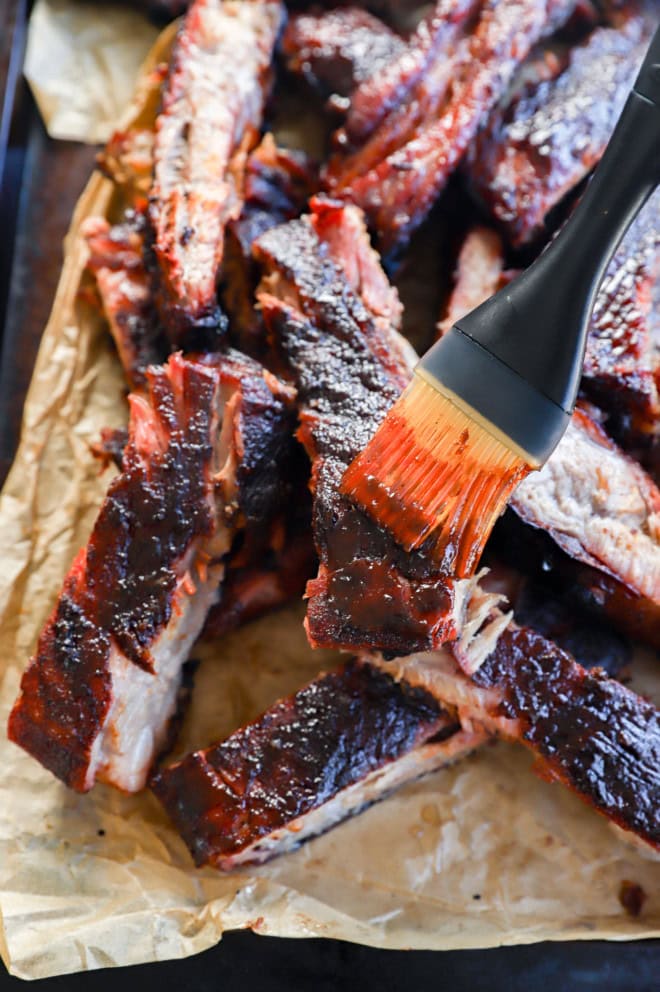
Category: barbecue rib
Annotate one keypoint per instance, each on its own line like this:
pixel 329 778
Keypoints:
pixel 310 761
pixel 597 508
pixel 117 261
pixel 278 184
pixel 128 159
pixel 97 697
pixel 534 152
pixel 400 171
pixel 212 105
pixel 585 730
pixel 330 309
pixel 338 50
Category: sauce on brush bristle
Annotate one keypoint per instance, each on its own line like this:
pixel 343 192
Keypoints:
pixel 432 476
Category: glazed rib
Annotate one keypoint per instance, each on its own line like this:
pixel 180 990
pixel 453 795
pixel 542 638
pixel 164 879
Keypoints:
pixel 349 365
pixel 337 50
pixel 124 286
pixel 585 730
pixel 540 147
pixel 310 761
pixel 98 695
pixel 397 180
pixel 212 105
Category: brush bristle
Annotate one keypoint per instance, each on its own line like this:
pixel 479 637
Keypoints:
pixel 433 476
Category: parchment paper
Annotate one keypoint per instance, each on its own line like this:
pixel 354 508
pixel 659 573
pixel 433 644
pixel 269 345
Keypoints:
pixel 477 855
pixel 81 61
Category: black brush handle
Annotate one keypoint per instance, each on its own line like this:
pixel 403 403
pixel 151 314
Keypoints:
pixel 537 327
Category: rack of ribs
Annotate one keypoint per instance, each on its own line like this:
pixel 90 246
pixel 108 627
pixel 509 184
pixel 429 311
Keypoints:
pixel 97 698
pixel 212 106
pixel 401 169
pixel 531 154
pixel 337 745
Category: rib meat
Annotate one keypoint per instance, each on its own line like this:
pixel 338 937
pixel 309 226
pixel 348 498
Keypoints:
pixel 547 140
pixel 117 261
pixel 586 730
pixel 98 695
pixel 278 184
pixel 397 176
pixel 337 50
pixel 212 105
pixel 622 363
pixel 333 321
pixel 310 761
pixel 128 159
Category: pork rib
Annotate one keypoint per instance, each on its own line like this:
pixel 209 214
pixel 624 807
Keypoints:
pixel 313 759
pixel 97 697
pixel 397 181
pixel 212 106
pixel 124 286
pixel 337 50
pixel 548 139
pixel 585 730
pixel 349 365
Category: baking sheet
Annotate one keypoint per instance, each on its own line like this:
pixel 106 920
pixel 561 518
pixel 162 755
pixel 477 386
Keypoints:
pixel 478 855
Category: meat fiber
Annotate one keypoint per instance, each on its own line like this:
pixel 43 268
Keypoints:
pixel 97 697
pixel 333 321
pixel 117 261
pixel 585 730
pixel 400 171
pixel 547 140
pixel 128 159
pixel 338 50
pixel 212 106
pixel 313 759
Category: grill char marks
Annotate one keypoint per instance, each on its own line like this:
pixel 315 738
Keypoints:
pixel 585 730
pixel 117 261
pixel 212 105
pixel 349 365
pixel 338 50
pixel 310 761
pixel 400 171
pixel 622 363
pixel 541 146
pixel 97 697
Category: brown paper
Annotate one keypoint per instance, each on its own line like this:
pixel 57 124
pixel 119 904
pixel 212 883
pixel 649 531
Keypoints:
pixel 81 61
pixel 477 855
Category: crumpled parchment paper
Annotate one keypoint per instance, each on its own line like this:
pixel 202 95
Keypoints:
pixel 477 855
pixel 81 61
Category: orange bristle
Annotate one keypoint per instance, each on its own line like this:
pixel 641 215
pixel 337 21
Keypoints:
pixel 434 476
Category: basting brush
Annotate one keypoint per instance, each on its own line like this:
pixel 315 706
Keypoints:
pixel 492 398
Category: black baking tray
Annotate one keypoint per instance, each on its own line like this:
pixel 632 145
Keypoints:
pixel 40 181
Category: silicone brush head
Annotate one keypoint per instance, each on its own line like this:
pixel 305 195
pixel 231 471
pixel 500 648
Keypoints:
pixel 435 475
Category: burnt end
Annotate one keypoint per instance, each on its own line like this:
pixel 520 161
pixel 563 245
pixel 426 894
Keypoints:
pixel 65 692
pixel 592 733
pixel 548 139
pixel 296 757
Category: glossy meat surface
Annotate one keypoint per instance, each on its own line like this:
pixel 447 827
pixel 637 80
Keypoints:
pixel 400 171
pixel 551 136
pixel 97 697
pixel 310 761
pixel 349 365
pixel 212 105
